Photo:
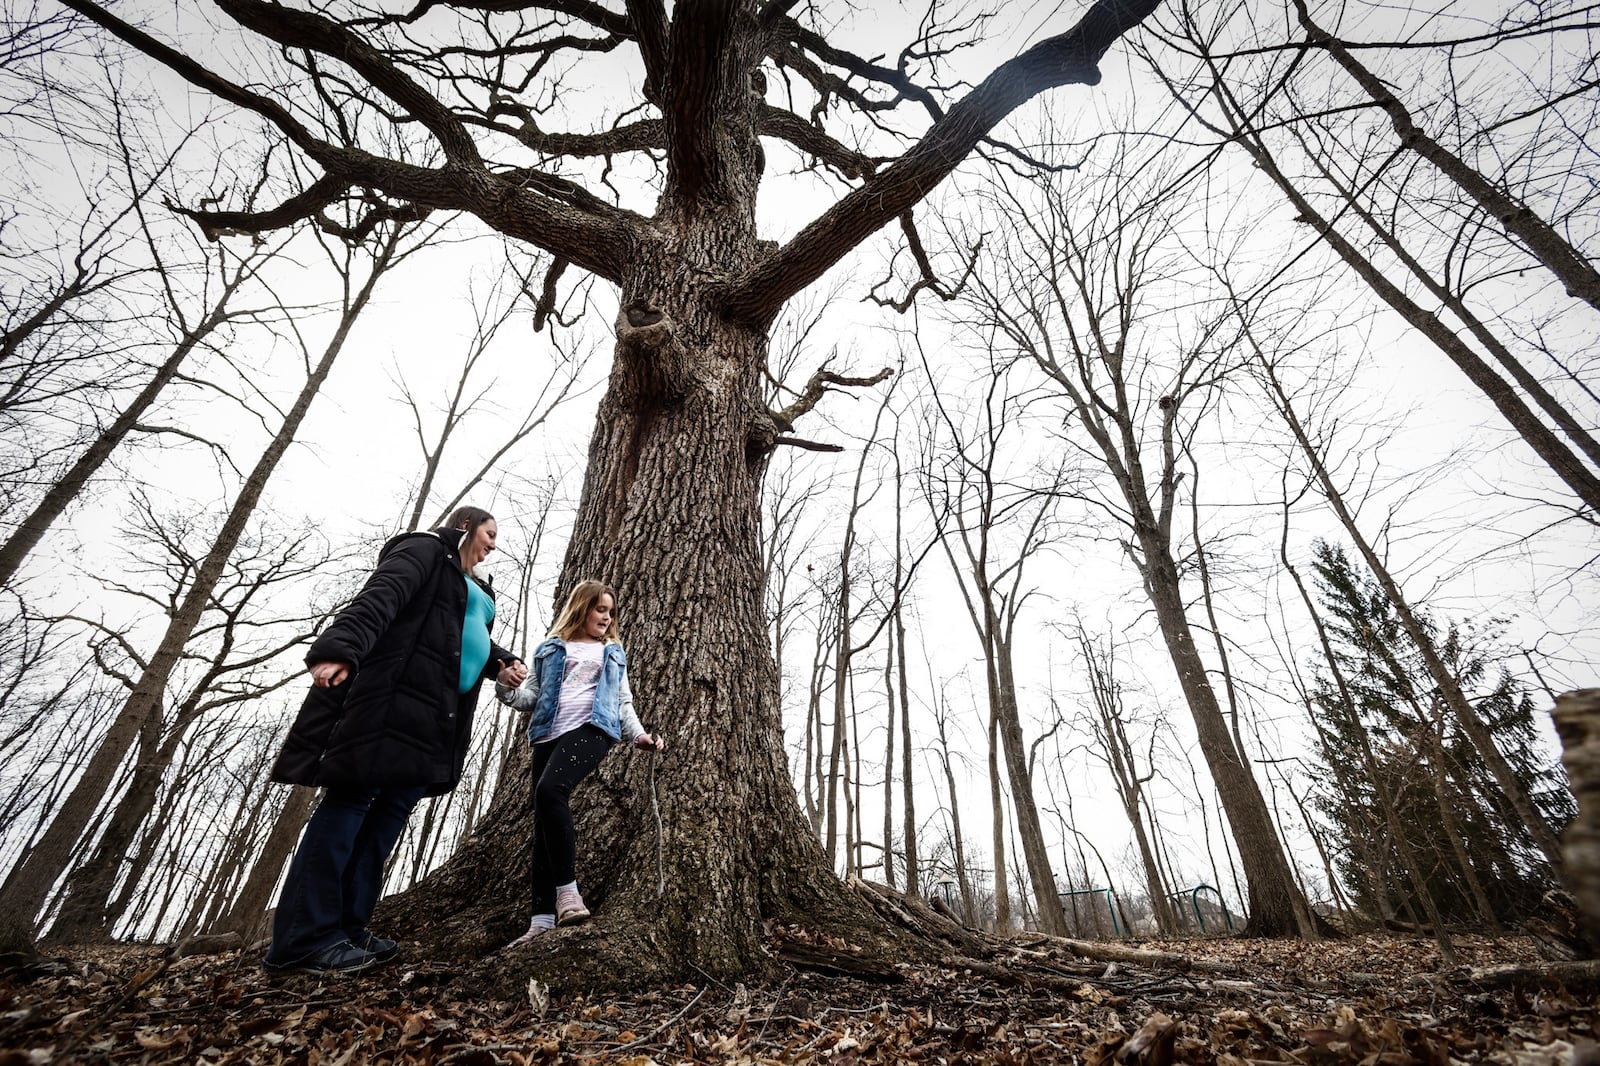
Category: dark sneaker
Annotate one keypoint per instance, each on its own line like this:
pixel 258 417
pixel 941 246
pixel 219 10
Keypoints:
pixel 343 957
pixel 381 946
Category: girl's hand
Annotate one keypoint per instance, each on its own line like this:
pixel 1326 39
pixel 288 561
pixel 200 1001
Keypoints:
pixel 650 742
pixel 327 675
pixel 513 675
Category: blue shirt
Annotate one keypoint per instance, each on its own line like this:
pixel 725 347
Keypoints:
pixel 475 635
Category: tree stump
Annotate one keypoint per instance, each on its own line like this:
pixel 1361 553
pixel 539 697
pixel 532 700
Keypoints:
pixel 1577 718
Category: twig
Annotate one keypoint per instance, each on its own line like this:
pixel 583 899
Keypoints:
pixel 663 1027
pixel 655 809
pixel 138 981
pixel 777 998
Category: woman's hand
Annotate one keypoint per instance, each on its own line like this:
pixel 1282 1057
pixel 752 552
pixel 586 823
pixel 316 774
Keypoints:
pixel 327 675
pixel 513 675
pixel 650 742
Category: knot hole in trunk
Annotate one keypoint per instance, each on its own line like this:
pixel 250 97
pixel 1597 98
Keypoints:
pixel 648 345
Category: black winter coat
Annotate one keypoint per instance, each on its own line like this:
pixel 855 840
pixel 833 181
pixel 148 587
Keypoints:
pixel 397 719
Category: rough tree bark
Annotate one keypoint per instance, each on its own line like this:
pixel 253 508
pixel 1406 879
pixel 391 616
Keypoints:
pixel 1577 717
pixel 670 507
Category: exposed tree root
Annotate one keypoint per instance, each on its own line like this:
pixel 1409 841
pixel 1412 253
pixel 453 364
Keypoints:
pixel 1576 977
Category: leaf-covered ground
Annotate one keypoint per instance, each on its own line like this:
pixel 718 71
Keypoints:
pixel 1373 1001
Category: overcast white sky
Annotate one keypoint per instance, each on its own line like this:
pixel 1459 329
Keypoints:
pixel 1449 532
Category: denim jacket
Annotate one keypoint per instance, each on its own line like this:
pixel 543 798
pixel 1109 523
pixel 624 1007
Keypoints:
pixel 541 692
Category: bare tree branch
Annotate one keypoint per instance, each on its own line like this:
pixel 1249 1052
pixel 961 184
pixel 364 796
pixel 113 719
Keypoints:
pixel 1069 58
pixel 814 390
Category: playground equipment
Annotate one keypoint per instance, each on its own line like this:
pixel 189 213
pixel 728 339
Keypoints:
pixel 1118 928
pixel 1194 904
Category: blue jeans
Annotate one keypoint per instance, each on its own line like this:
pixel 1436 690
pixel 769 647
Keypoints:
pixel 337 873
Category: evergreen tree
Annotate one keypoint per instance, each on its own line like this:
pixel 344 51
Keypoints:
pixel 1479 862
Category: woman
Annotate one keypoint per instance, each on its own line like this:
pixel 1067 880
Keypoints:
pixel 388 720
pixel 582 704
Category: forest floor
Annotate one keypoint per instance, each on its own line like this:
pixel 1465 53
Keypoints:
pixel 1369 1000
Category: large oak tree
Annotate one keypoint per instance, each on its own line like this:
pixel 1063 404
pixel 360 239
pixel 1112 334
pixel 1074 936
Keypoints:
pixel 670 506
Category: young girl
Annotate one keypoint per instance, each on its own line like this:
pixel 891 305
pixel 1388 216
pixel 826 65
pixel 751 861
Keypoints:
pixel 578 692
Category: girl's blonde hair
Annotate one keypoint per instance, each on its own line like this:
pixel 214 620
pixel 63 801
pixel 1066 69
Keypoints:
pixel 582 600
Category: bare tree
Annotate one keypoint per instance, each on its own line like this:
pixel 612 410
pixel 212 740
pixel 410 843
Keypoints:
pixel 845 615
pixel 1084 265
pixel 670 509
pixel 1448 684
pixel 969 905
pixel 1378 188
pixel 493 311
pixel 1520 220
pixel 41 353
pixel 1109 726
pixel 247 913
pixel 236 657
pixel 999 520
pixel 28 885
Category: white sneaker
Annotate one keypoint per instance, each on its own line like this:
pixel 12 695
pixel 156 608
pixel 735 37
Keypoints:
pixel 569 907
pixel 535 928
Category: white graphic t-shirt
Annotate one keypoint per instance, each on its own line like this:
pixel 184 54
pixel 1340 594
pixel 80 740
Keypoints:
pixel 578 685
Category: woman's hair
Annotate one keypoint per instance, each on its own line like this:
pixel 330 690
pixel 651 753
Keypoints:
pixel 468 518
pixel 582 600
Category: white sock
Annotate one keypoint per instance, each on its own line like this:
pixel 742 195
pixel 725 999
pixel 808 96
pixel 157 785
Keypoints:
pixel 570 886
pixel 543 921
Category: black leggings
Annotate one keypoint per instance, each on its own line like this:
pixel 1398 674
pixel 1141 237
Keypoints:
pixel 558 766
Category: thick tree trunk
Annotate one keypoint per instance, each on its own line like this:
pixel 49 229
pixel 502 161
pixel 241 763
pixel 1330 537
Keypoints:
pixel 670 517
pixel 1577 718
